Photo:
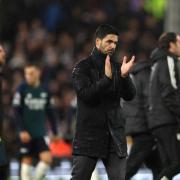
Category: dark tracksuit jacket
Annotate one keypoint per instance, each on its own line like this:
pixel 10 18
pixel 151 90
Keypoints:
pixel 164 96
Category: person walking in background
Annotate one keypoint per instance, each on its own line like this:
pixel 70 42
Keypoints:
pixel 144 148
pixel 100 83
pixel 31 103
pixel 3 160
pixel 164 101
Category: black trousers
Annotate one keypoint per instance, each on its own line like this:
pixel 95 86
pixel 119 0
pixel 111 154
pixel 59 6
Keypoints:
pixel 3 160
pixel 3 163
pixel 143 151
pixel 83 167
pixel 4 172
pixel 167 144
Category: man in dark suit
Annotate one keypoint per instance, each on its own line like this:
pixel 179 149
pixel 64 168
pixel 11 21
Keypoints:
pixel 100 83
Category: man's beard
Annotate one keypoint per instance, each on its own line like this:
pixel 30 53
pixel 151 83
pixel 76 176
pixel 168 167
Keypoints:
pixel 110 52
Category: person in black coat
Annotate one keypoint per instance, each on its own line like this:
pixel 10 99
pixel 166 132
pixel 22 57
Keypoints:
pixel 100 83
pixel 3 161
pixel 164 102
pixel 144 148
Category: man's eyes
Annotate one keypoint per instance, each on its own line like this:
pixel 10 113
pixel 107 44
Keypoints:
pixel 112 42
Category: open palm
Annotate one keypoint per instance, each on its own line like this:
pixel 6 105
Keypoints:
pixel 127 66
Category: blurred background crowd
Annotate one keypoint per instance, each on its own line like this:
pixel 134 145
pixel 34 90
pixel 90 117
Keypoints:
pixel 58 33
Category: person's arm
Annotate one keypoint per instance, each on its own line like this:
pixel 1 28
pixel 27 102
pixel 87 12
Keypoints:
pixel 168 87
pixel 1 106
pixel 2 62
pixel 85 89
pixel 52 120
pixel 52 117
pixel 128 90
pixel 18 109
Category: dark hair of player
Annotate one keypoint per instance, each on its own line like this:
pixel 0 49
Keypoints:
pixel 35 65
pixel 165 40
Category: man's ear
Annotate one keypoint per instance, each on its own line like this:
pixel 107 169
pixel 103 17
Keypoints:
pixel 98 42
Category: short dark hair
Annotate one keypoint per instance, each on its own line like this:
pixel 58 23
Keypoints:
pixel 165 40
pixel 35 65
pixel 104 29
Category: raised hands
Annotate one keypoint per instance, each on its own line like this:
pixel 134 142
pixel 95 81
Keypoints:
pixel 108 70
pixel 126 66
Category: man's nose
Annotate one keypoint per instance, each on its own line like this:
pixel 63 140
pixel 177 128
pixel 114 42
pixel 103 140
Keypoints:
pixel 113 45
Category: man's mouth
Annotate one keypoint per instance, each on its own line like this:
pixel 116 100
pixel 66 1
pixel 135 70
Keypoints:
pixel 110 52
